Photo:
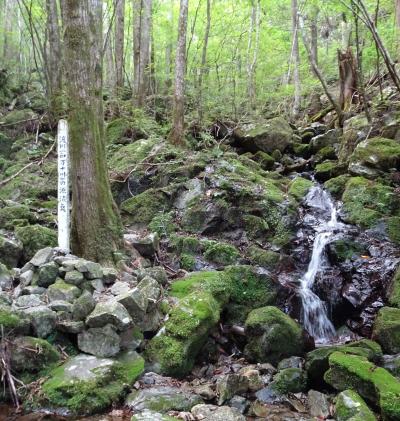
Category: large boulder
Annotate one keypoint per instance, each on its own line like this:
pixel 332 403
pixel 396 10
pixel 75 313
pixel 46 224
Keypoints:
pixel 394 290
pixel 34 238
pixel 272 336
pixel 6 279
pixel 43 320
pixel 100 341
pixel 386 329
pixel 373 383
pixel 374 155
pixel 10 251
pixel 268 136
pixel 350 406
pixel 355 129
pixel 324 140
pixel 87 385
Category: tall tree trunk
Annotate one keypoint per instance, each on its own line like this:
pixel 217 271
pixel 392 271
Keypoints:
pixel 54 59
pixel 142 43
pixel 256 22
pixel 296 60
pixel 96 227
pixel 314 35
pixel 7 44
pixel 119 43
pixel 176 135
pixel 168 49
pixel 204 62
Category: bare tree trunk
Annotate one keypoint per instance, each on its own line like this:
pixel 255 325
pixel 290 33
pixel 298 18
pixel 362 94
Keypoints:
pixel 314 34
pixel 204 62
pixel 348 79
pixel 7 49
pixel 253 64
pixel 119 43
pixel 96 228
pixel 176 135
pixel 168 49
pixel 137 20
pixel 296 59
pixel 54 59
pixel 397 13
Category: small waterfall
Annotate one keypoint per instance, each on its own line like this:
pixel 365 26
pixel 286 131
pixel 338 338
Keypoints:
pixel 326 225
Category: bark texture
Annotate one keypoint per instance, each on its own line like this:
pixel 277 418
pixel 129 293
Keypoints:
pixel 348 79
pixel 296 59
pixel 176 135
pixel 204 61
pixel 119 43
pixel 96 228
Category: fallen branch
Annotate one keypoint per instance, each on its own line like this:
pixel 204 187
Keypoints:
pixel 18 122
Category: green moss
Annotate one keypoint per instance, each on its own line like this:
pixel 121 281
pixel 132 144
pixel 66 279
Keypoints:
pixel 34 238
pixel 145 206
pixel 301 149
pixel 299 187
pixel 10 320
pixel 365 201
pixel 328 152
pixel 386 329
pixel 266 258
pixel 346 249
pixel 394 290
pixel 373 383
pixel 163 224
pixel 328 169
pixel 187 262
pixel 118 131
pixel 290 380
pixel 255 226
pixel 221 253
pixel 337 185
pixel 10 213
pixel 265 160
pixel 393 228
pixel 351 407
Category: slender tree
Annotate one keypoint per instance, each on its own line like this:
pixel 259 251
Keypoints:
pixel 204 62
pixel 119 43
pixel 252 58
pixel 296 59
pixel 96 229
pixel 176 135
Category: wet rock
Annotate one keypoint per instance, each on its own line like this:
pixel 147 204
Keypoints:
pixel 217 413
pixel 61 291
pixel 83 306
pixel 272 335
pixel 350 406
pixel 392 364
pixel 110 312
pixel 47 274
pixel 318 404
pixel 373 383
pixel 162 399
pixel 230 385
pixel 101 342
pixel 386 329
pixel 43 320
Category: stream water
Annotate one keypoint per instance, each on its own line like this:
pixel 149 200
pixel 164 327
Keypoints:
pixel 326 225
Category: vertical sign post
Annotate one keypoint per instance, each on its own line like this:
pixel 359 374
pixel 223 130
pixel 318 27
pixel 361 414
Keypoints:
pixel 63 186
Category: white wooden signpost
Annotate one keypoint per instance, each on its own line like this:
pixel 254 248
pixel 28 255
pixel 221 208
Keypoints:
pixel 63 186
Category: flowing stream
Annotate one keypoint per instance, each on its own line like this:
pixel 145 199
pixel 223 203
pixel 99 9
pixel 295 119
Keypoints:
pixel 326 226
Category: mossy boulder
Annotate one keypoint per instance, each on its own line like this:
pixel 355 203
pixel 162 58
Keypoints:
pixel 13 323
pixel 329 169
pixel 373 383
pixel 317 361
pixel 10 251
pixel 34 238
pixel 326 153
pixel 255 226
pixel 267 136
pixel 186 331
pixel 386 329
pixel 86 385
pixel 377 153
pixel 6 279
pixel 5 146
pixel 366 201
pixel 341 250
pixel 394 290
pixel 261 257
pixel 141 209
pixel 29 354
pixel 299 187
pixel 350 406
pixel 265 160
pixel 337 185
pixel 221 253
pixel 272 335
pixel 17 116
pixel 290 380
pixel 393 228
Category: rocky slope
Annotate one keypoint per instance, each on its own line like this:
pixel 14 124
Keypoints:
pixel 205 292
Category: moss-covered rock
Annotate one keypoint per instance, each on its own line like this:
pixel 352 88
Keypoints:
pixel 290 380
pixel 350 406
pixel 373 383
pixel 261 257
pixel 329 169
pixel 265 160
pixel 13 322
pixel 366 201
pixel 186 331
pixel 255 226
pixel 272 336
pixel 343 249
pixel 34 238
pixel 386 329
pixel 87 385
pixel 141 209
pixel 221 253
pixel 337 185
pixel 326 153
pixel 394 290
pixel 301 149
pixel 9 214
pixel 10 251
pixel 29 354
pixel 16 116
pixel 5 146
pixel 299 187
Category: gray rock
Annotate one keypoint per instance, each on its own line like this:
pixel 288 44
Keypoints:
pixel 33 290
pixel 120 288
pixel 128 278
pixel 392 364
pixel 43 320
pixel 10 251
pixel 5 277
pixel 110 312
pixel 74 277
pixel 61 306
pixel 205 391
pixel 97 285
pixel 217 413
pixel 230 385
pixel 110 275
pixel 291 362
pixel 194 188
pixel 151 289
pixel 83 306
pixel 148 415
pixel 93 271
pixel 47 274
pixel 70 326
pixel 329 138
pixel 318 404
pixel 63 291
pixel 163 399
pixel 25 278
pixel 146 246
pixel 100 341
pixel 135 302
pixel 240 403
pixel 27 301
pixel 151 321
pixel 131 339
pixel 157 272
pixel 42 256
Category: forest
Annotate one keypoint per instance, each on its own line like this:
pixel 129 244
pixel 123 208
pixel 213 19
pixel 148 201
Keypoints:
pixel 200 210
